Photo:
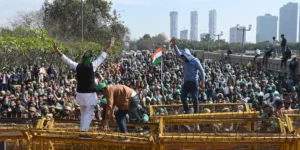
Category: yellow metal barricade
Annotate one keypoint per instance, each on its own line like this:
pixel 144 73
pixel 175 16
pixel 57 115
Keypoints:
pixel 204 131
pixel 67 140
pixel 266 134
pixel 293 123
pixel 63 134
pixel 15 132
pixel 215 108
pixel 208 115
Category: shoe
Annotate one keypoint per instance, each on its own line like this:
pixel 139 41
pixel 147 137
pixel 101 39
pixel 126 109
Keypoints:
pixel 85 137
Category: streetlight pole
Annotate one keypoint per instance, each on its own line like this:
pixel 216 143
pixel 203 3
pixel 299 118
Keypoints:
pixel 218 35
pixel 243 29
pixel 81 20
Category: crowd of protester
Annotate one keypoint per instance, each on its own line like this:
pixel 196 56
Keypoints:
pixel 41 91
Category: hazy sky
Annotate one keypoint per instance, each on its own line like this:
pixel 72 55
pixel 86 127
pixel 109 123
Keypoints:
pixel 152 16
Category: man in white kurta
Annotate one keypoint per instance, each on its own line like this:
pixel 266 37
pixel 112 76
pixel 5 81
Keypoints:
pixel 86 100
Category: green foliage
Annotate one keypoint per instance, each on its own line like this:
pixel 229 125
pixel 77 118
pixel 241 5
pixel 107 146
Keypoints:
pixel 206 38
pixel 26 45
pixel 146 36
pixel 206 44
pixel 63 20
pixel 27 38
pixel 79 48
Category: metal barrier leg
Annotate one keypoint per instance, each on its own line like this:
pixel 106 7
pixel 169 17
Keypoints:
pixel 48 145
pixel 254 147
pixel 34 145
pixel 287 146
pixel 41 144
pixel 153 147
pixel 28 146
pixel 281 146
pixel 161 145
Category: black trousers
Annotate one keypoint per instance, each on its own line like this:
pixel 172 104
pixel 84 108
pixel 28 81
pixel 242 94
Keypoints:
pixel 283 61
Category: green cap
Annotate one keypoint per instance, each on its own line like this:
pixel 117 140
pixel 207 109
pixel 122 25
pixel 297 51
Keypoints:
pixel 165 89
pixel 170 98
pixel 179 86
pixel 100 86
pixel 145 118
pixel 139 106
pixel 103 101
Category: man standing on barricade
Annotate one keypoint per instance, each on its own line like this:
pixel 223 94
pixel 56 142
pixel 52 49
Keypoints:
pixel 193 72
pixel 86 88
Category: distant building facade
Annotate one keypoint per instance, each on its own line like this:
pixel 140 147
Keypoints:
pixel 174 24
pixel 236 36
pixel 212 23
pixel 184 34
pixel 194 26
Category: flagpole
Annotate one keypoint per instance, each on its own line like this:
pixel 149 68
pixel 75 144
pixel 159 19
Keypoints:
pixel 161 73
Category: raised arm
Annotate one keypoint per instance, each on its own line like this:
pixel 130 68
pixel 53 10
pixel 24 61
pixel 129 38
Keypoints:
pixel 68 61
pixel 99 60
pixel 103 55
pixel 174 44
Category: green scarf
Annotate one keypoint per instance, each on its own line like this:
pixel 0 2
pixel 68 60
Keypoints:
pixel 88 60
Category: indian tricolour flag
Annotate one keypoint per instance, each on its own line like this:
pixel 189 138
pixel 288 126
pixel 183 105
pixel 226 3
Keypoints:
pixel 156 56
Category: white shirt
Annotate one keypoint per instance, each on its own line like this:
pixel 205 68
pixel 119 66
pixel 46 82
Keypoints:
pixel 257 51
pixel 4 79
pixel 275 43
pixel 42 70
pixel 86 99
pixel 226 90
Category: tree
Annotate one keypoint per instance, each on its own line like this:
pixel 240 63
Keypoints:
pixel 25 45
pixel 31 18
pixel 133 45
pixel 63 21
pixel 146 36
pixel 207 38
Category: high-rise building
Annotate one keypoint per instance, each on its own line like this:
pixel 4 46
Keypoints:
pixel 184 34
pixel 212 23
pixel 202 36
pixel 236 36
pixel 194 26
pixel 174 24
pixel 288 16
pixel 266 28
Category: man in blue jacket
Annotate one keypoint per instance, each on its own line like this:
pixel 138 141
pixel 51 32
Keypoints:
pixel 194 75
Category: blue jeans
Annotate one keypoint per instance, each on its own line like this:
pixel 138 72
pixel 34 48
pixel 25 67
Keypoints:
pixel 121 114
pixel 121 120
pixel 192 88
pixel 4 87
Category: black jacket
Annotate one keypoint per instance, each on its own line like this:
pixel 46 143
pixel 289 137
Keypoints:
pixel 85 78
